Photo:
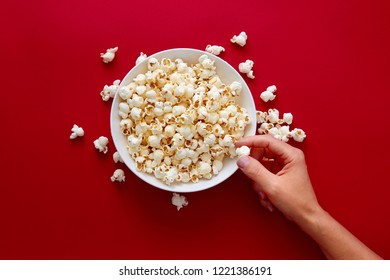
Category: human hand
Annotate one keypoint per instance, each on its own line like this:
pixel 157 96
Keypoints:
pixel 280 177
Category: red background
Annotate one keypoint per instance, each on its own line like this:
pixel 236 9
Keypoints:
pixel 329 60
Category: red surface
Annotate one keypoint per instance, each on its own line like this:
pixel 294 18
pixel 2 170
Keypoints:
pixel 329 60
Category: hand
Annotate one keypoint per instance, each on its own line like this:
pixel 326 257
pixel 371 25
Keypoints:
pixel 288 188
pixel 279 176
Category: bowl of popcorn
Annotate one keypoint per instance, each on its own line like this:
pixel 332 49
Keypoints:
pixel 176 116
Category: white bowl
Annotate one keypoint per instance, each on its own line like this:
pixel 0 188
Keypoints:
pixel 227 74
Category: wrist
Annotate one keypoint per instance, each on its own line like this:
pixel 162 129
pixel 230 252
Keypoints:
pixel 312 219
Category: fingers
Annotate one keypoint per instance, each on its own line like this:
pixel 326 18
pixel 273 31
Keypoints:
pixel 257 172
pixel 283 151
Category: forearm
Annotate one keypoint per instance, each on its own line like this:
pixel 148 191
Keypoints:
pixel 335 241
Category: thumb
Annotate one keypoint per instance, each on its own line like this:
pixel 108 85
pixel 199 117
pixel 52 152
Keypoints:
pixel 256 171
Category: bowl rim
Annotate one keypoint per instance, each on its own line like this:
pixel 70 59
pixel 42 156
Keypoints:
pixel 150 179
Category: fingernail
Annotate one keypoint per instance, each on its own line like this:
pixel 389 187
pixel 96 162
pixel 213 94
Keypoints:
pixel 243 161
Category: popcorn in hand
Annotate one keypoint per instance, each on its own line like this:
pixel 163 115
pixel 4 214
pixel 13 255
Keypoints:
pixel 101 144
pixel 243 151
pixel 110 91
pixel 119 175
pixel 246 68
pixel 179 201
pixel 109 55
pixel 141 58
pixel 216 50
pixel 240 39
pixel 76 132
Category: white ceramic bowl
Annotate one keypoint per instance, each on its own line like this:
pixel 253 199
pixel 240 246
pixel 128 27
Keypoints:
pixel 227 74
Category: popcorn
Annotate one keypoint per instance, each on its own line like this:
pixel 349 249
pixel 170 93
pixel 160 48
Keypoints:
pixel 124 110
pixel 287 118
pixel 206 62
pixel 240 39
pixel 109 55
pixel 246 68
pixel 261 117
pixel 141 58
pixel 243 151
pixel 273 115
pixel 268 94
pixel 153 64
pixel 117 157
pixel 298 134
pixel 216 50
pixel 101 144
pixel 272 125
pixel 119 175
pixel 271 89
pixel 179 200
pixel 280 132
pixel 181 120
pixel 76 132
pixel 110 91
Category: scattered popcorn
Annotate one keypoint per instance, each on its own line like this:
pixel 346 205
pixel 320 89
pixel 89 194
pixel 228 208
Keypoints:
pixel 117 157
pixel 179 201
pixel 280 132
pixel 243 151
pixel 272 125
pixel 110 91
pixel 240 39
pixel 261 117
pixel 109 55
pixel 271 88
pixel 298 134
pixel 101 144
pixel 181 120
pixel 287 118
pixel 273 115
pixel 246 68
pixel 216 50
pixel 268 94
pixel 76 132
pixel 119 175
pixel 141 58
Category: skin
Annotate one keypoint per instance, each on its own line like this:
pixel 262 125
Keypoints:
pixel 281 179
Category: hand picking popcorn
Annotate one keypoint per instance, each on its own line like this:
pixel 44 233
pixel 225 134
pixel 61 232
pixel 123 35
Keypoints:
pixel 240 39
pixel 290 191
pixel 109 55
pixel 76 132
pixel 179 201
pixel 181 120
